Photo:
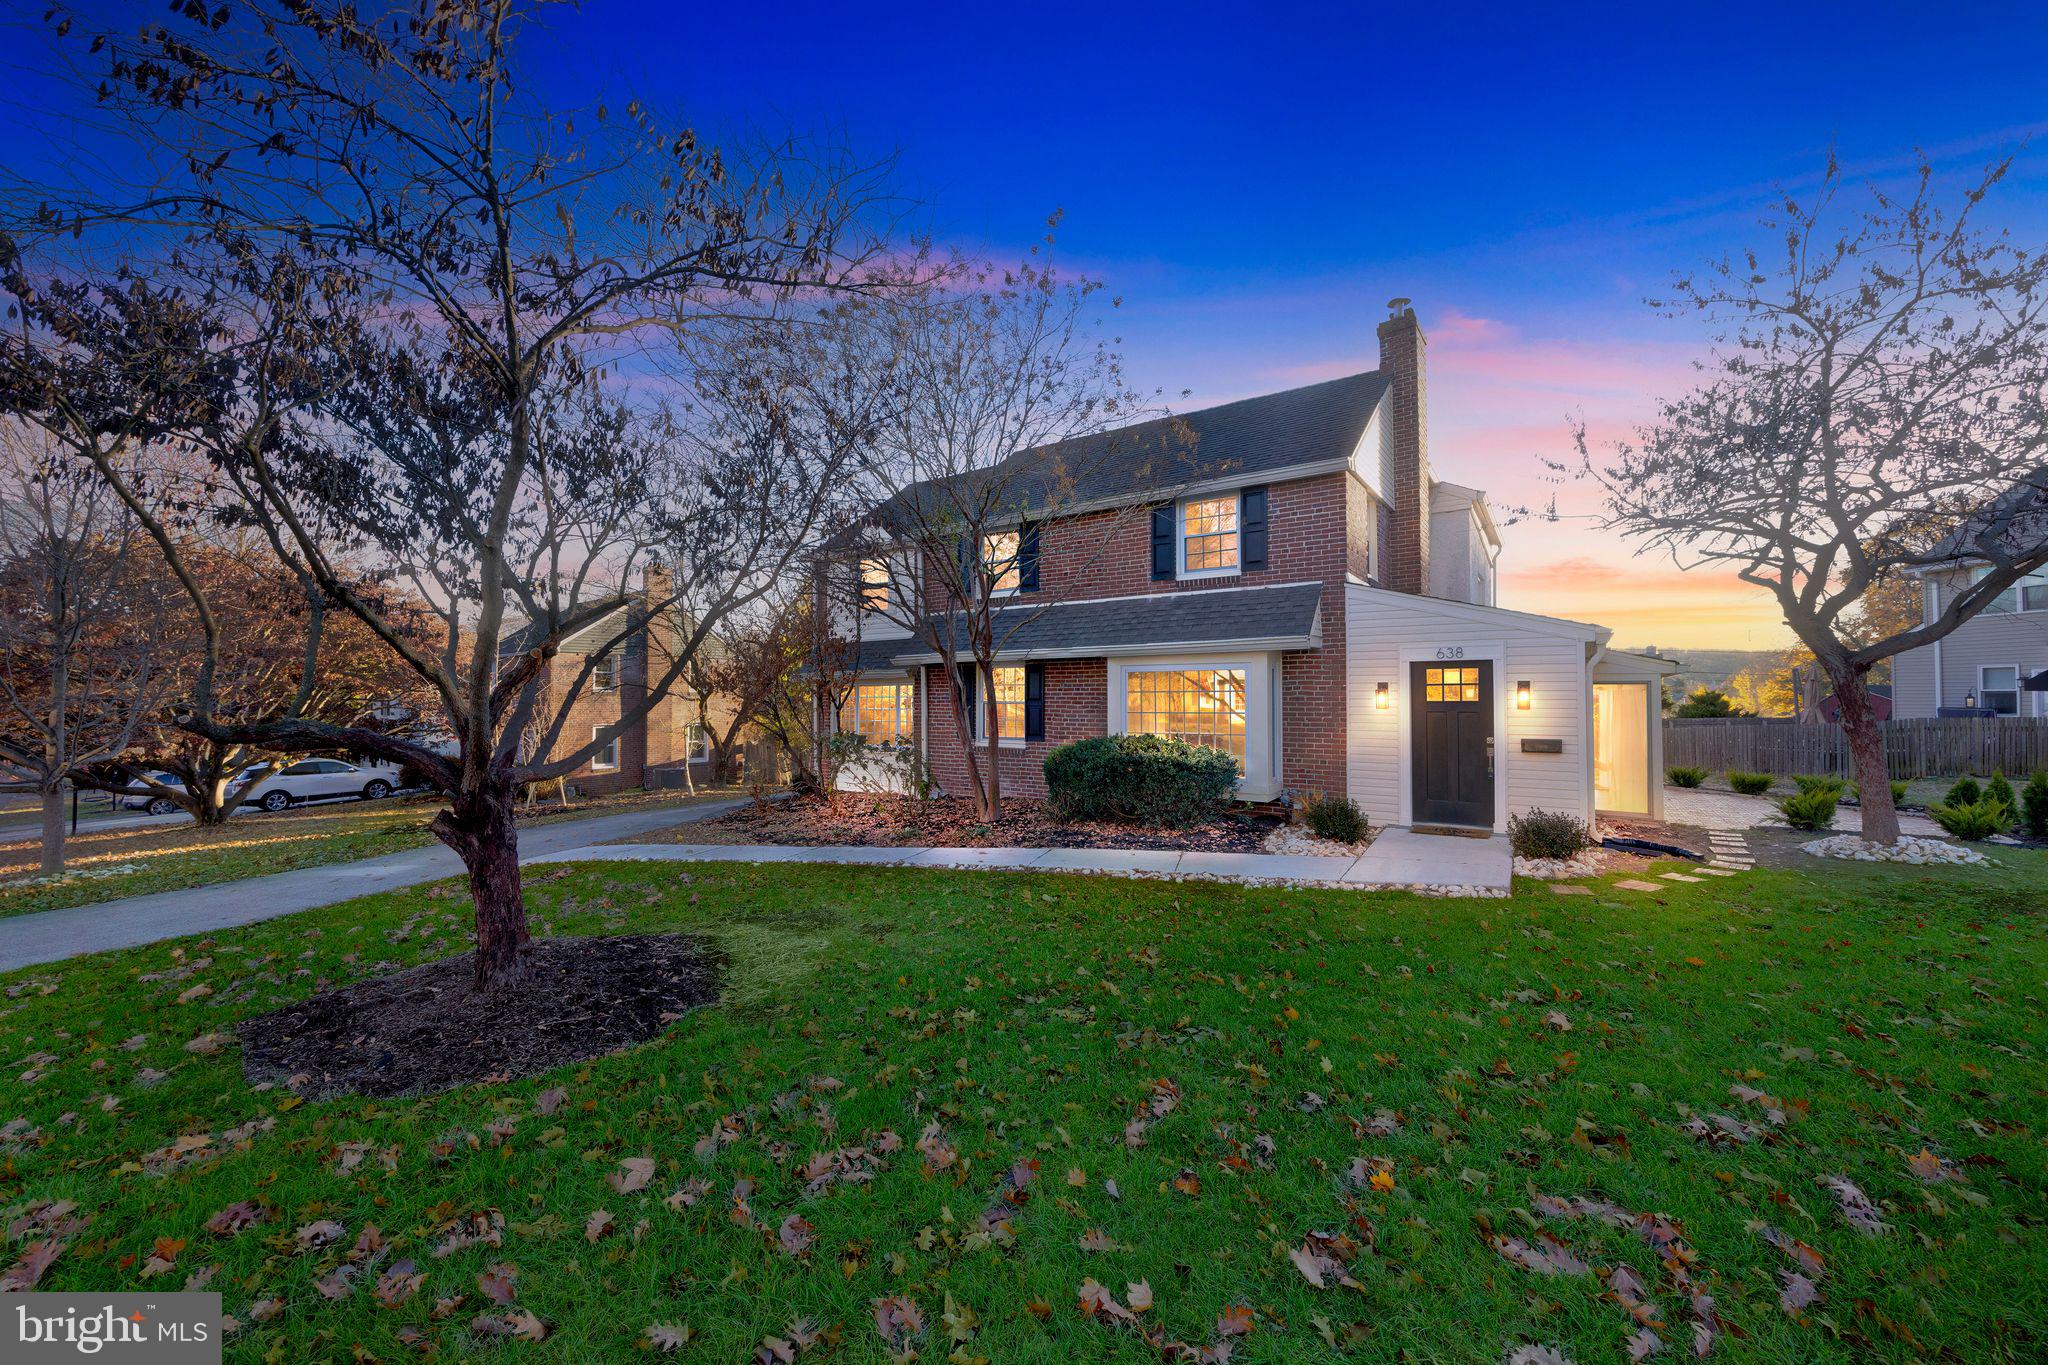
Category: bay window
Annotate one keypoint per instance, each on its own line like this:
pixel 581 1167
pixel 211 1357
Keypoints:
pixel 1199 705
pixel 880 713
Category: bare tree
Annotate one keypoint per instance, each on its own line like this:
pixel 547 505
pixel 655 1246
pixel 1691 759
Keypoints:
pixel 1879 404
pixel 82 665
pixel 1002 395
pixel 468 272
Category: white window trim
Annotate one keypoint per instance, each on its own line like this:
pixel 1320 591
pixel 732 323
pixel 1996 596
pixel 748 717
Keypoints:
pixel 597 763
pixel 852 698
pixel 2018 688
pixel 1180 539
pixel 1261 780
pixel 610 661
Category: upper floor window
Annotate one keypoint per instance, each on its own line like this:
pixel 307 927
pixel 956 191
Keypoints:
pixel 874 585
pixel 1208 536
pixel 2029 594
pixel 604 674
pixel 1000 552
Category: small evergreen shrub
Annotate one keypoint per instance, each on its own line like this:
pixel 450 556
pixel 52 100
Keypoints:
pixel 1965 792
pixel 2000 790
pixel 1821 782
pixel 1336 818
pixel 1972 820
pixel 1685 777
pixel 1750 784
pixel 2034 804
pixel 1898 791
pixel 1814 809
pixel 1548 834
pixel 1149 779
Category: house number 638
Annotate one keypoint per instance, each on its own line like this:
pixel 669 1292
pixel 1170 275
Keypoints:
pixel 1451 652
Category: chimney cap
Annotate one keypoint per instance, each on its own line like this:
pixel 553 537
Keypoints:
pixel 1398 308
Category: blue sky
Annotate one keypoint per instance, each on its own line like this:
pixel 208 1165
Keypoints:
pixel 1256 185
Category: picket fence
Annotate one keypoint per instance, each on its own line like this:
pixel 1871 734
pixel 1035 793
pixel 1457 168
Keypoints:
pixel 1913 748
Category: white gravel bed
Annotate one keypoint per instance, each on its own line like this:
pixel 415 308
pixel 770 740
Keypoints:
pixel 1909 849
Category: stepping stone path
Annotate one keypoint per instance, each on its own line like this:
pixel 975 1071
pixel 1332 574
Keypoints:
pixel 1641 886
pixel 1678 877
pixel 1731 852
pixel 1568 889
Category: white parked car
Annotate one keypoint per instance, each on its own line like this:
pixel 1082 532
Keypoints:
pixel 156 803
pixel 313 779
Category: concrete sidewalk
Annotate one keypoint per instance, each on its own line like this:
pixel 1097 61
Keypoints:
pixel 1397 858
pixel 51 935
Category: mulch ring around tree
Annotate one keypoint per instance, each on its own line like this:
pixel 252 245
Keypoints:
pixel 426 1029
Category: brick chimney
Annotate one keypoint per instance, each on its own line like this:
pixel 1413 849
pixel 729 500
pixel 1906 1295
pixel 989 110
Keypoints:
pixel 1403 362
pixel 663 640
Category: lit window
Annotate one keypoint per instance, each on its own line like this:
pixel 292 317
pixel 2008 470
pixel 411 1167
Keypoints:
pixel 1999 690
pixel 604 674
pixel 880 713
pixel 606 759
pixel 874 585
pixel 1009 703
pixel 1451 684
pixel 999 559
pixel 2029 594
pixel 1208 535
pixel 1201 706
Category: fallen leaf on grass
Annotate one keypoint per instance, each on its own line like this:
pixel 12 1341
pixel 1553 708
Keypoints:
pixel 662 1336
pixel 548 1101
pixel 900 1323
pixel 633 1174
pixel 1798 1292
pixel 496 1282
pixel 519 1324
pixel 319 1234
pixel 796 1236
pixel 1931 1169
pixel 398 1283
pixel 1547 1256
pixel 1855 1206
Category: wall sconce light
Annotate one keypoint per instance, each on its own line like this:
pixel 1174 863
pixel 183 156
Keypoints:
pixel 1522 695
pixel 1380 700
pixel 1970 700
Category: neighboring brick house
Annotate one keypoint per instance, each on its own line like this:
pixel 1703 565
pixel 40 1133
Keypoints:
pixel 1258 577
pixel 652 750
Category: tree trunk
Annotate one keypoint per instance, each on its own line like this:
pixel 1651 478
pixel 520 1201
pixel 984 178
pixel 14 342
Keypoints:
pixel 1866 750
pixel 53 830
pixel 963 726
pixel 481 827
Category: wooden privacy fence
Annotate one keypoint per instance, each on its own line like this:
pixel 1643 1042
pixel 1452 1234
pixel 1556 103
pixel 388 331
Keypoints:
pixel 1913 748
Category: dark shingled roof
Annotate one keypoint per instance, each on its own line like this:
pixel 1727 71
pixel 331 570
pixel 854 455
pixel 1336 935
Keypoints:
pixel 1235 441
pixel 1285 617
pixel 2016 519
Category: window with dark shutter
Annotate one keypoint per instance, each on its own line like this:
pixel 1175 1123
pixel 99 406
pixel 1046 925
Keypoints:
pixel 967 696
pixel 1027 559
pixel 1163 534
pixel 1252 529
pixel 1034 701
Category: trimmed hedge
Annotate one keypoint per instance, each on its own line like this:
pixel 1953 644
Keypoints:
pixel 1148 779
pixel 1750 784
pixel 1548 834
pixel 1685 777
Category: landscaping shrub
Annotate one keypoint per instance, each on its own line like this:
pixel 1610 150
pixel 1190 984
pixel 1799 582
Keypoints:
pixel 1965 792
pixel 1750 784
pixel 1898 791
pixel 1548 834
pixel 1145 778
pixel 2000 790
pixel 1821 782
pixel 1685 777
pixel 1336 818
pixel 2034 804
pixel 1972 820
pixel 1810 809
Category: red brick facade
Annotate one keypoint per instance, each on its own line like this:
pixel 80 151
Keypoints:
pixel 1320 528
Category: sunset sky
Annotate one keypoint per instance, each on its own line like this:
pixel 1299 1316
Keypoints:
pixel 1255 183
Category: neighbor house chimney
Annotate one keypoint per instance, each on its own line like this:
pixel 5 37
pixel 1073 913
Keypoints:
pixel 1406 556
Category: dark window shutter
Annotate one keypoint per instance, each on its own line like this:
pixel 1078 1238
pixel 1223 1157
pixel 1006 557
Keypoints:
pixel 1034 701
pixel 1162 543
pixel 1027 559
pixel 967 695
pixel 1251 523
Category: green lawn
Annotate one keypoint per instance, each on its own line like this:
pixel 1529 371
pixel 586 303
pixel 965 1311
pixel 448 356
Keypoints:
pixel 1031 1018
pixel 139 860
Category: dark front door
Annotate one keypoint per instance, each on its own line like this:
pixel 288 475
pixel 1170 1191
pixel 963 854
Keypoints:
pixel 1452 731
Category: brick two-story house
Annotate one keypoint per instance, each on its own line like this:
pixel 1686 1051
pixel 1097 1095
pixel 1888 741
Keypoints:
pixel 1288 582
pixel 634 647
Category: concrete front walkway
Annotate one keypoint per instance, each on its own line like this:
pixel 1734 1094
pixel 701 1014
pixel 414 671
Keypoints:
pixel 50 935
pixel 1398 857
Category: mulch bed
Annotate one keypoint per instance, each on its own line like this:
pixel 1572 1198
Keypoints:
pixel 426 1029
pixel 893 822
